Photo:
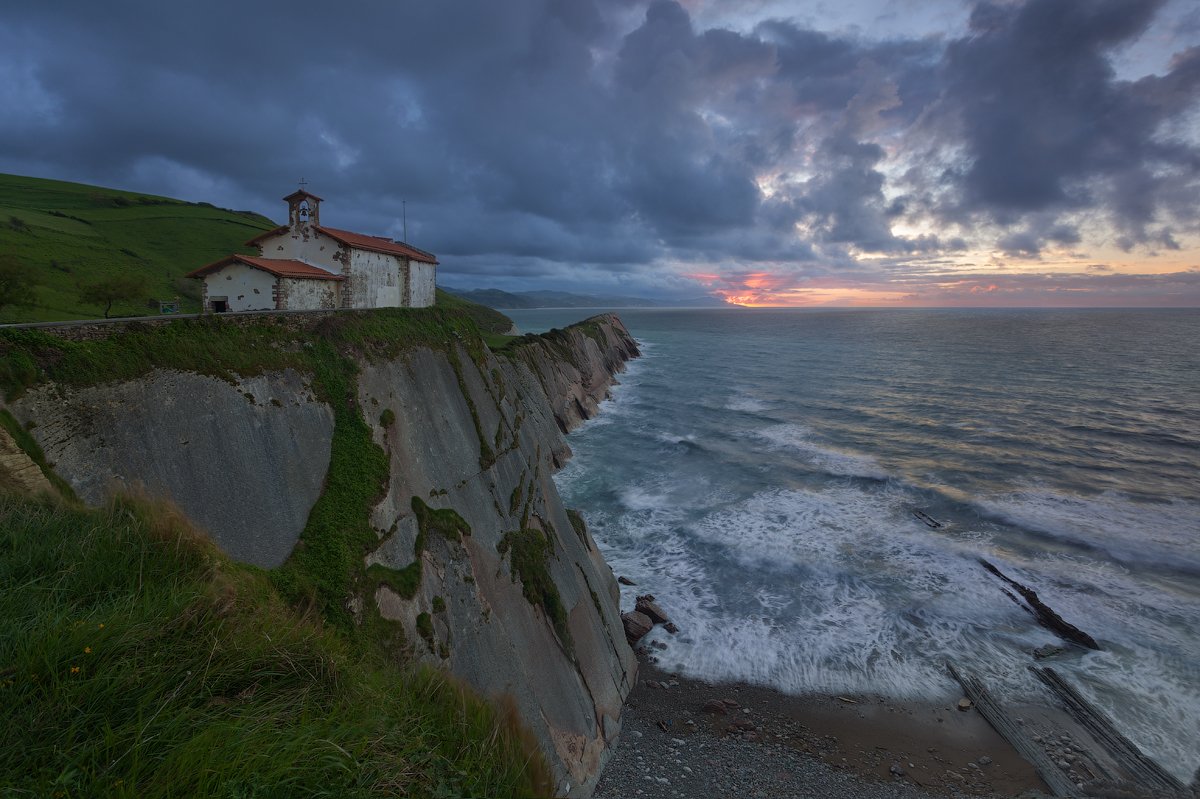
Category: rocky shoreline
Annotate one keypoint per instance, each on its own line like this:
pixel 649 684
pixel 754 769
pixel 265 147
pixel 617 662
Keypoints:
pixel 683 737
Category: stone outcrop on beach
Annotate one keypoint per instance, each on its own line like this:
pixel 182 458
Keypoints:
pixel 643 617
pixel 1044 614
pixel 515 600
pixel 636 625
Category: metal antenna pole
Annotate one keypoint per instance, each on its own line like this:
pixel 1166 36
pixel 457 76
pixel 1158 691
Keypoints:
pixel 404 218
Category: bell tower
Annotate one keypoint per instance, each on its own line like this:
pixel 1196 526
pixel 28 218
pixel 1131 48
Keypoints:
pixel 303 209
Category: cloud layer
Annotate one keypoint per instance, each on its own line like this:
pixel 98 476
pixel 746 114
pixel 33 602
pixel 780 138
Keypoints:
pixel 568 143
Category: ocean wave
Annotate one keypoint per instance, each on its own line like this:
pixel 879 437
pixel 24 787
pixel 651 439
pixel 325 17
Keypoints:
pixel 1158 534
pixel 798 439
pixel 636 498
pixel 828 590
pixel 818 578
pixel 744 403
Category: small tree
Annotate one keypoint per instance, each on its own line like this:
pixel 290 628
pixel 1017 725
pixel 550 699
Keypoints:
pixel 16 283
pixel 123 288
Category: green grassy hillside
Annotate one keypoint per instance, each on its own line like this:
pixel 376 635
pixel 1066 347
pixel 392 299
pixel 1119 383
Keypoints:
pixel 69 234
pixel 137 661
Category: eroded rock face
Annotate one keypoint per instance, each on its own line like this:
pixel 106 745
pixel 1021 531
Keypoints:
pixel 245 460
pixel 523 606
pixel 575 366
pixel 489 453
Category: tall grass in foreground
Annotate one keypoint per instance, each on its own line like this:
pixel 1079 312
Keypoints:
pixel 136 661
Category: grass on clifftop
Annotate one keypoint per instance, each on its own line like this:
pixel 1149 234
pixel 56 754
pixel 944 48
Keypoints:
pixel 493 324
pixel 67 234
pixel 214 346
pixel 137 661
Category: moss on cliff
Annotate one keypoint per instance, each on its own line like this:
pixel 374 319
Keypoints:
pixel 579 526
pixel 444 523
pixel 529 552
pixel 136 660
pixel 327 561
pixel 425 630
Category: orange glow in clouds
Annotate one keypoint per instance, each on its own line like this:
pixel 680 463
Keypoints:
pixel 766 290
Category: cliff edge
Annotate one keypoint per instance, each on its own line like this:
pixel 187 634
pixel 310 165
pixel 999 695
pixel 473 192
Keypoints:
pixel 388 469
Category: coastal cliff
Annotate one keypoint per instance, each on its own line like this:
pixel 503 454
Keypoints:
pixel 401 483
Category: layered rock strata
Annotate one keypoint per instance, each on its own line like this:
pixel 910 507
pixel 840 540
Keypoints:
pixel 515 599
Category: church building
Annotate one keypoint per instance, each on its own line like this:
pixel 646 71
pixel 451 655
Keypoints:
pixel 305 266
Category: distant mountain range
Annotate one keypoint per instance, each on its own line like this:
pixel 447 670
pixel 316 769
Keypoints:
pixel 495 298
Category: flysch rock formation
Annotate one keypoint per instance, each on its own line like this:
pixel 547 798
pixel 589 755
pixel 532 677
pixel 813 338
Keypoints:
pixel 246 461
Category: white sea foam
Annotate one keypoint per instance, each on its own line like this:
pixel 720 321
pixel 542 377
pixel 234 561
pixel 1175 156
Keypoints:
pixel 637 498
pixel 675 438
pixel 746 403
pixel 1154 701
pixel 799 439
pixel 797 609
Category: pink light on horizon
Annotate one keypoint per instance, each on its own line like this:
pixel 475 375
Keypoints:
pixel 1020 289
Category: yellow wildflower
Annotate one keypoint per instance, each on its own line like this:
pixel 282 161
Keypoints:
pixel 100 626
pixel 74 669
pixel 87 650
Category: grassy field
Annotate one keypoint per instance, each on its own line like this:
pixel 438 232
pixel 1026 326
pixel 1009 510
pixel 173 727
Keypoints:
pixel 137 661
pixel 68 234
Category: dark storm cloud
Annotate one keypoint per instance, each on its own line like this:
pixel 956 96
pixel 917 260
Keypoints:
pixel 1049 128
pixel 615 140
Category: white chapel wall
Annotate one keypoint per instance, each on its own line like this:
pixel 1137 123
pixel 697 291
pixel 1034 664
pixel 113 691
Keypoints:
pixel 310 247
pixel 423 284
pixel 245 288
pixel 376 279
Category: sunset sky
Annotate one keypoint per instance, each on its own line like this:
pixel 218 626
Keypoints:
pixel 861 152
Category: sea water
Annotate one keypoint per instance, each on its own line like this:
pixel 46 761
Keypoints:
pixel 757 471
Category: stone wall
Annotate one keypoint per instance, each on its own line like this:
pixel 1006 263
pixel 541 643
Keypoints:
pixel 100 329
pixel 306 294
pixel 376 280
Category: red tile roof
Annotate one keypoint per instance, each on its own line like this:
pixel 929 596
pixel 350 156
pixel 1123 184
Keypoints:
pixel 360 241
pixel 379 244
pixel 276 266
pixel 301 193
